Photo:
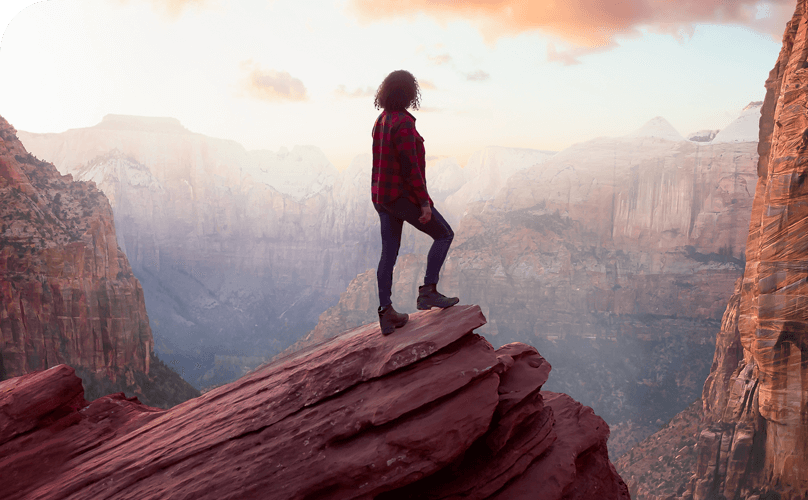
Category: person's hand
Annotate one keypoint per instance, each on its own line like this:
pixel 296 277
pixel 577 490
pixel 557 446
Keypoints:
pixel 426 214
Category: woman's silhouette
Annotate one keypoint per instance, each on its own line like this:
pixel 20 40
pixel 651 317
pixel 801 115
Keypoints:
pixel 398 189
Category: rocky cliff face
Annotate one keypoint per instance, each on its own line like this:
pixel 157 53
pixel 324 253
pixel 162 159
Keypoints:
pixel 67 293
pixel 486 172
pixel 245 246
pixel 431 411
pixel 754 444
pixel 615 257
pixel 238 251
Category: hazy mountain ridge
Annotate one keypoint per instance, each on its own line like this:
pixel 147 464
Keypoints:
pixel 670 193
pixel 615 256
pixel 218 248
pixel 237 256
pixel 486 173
pixel 235 270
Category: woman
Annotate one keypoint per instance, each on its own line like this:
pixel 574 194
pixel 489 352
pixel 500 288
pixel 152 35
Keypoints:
pixel 398 190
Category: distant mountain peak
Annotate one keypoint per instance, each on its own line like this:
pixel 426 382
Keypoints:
pixel 745 128
pixel 657 127
pixel 144 123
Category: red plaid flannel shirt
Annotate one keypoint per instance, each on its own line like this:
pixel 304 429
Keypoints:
pixel 399 160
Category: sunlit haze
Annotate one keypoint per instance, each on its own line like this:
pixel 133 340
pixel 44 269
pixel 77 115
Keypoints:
pixel 268 74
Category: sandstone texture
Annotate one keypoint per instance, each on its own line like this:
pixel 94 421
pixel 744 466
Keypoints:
pixel 67 293
pixel 754 443
pixel 614 257
pixel 430 411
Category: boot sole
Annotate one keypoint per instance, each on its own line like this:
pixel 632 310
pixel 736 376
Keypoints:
pixel 426 307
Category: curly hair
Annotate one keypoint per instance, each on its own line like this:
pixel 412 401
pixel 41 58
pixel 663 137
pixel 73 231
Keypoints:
pixel 398 91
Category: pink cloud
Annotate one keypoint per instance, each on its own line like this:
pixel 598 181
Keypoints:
pixel 586 23
pixel 270 85
pixel 570 56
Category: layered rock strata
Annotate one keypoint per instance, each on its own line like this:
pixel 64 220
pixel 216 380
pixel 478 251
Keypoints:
pixel 754 444
pixel 67 293
pixel 431 411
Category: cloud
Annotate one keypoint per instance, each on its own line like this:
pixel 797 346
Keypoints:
pixel 570 56
pixel 270 85
pixel 477 76
pixel 441 59
pixel 427 84
pixel 341 91
pixel 586 23
pixel 771 18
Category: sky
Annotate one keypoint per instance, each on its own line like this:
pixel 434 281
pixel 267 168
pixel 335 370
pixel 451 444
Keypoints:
pixel 268 74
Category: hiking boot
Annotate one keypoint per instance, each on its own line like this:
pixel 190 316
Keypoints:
pixel 389 319
pixel 429 297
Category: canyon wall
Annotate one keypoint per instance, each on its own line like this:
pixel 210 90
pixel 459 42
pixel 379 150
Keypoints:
pixel 240 251
pixel 754 443
pixel 614 257
pixel 67 293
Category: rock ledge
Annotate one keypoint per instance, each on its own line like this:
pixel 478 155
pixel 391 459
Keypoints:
pixel 431 411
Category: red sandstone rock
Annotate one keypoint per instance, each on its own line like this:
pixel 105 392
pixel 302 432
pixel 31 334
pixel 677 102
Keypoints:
pixel 577 466
pixel 754 442
pixel 359 415
pixel 67 293
pixel 44 419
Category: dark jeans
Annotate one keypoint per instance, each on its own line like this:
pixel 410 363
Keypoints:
pixel 392 219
